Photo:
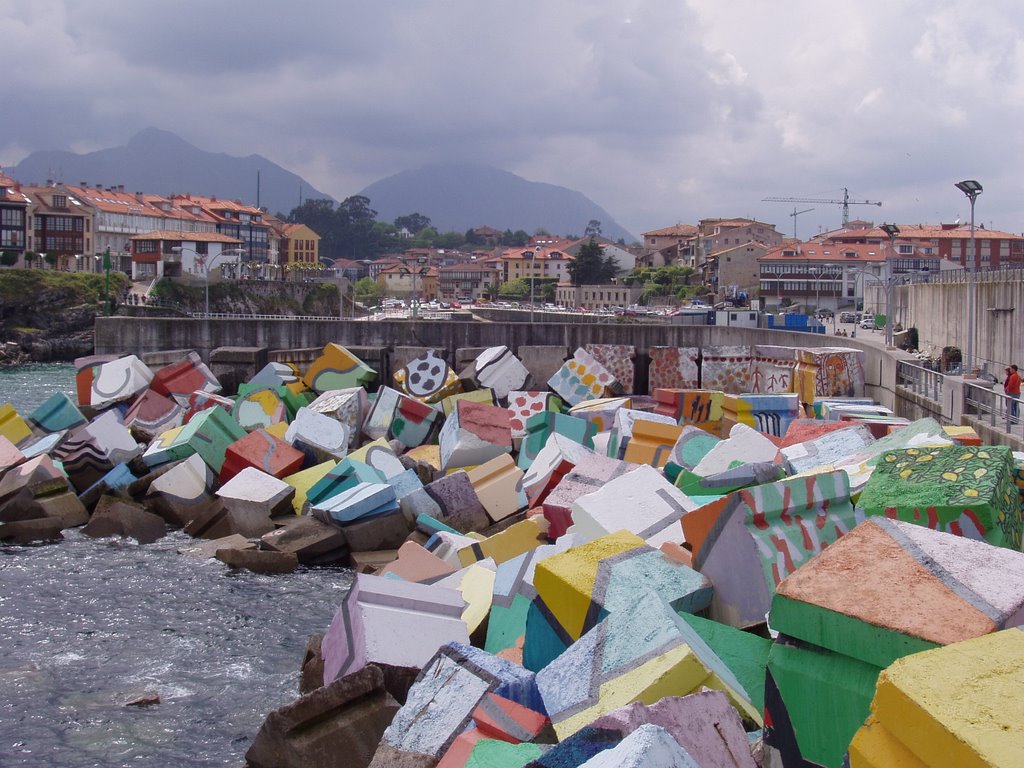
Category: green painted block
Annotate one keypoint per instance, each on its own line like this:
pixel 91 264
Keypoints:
pixel 209 434
pixel 540 426
pixel 491 753
pixel 295 400
pixel 348 474
pixel 57 413
pixel 827 696
pixel 829 629
pixel 506 624
pixel 963 490
pixel 744 653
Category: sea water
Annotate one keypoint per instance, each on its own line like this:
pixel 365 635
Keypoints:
pixel 88 624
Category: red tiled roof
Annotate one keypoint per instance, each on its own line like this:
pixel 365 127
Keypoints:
pixel 830 252
pixel 679 230
pixel 186 237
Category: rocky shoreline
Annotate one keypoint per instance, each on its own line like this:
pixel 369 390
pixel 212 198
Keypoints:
pixel 561 575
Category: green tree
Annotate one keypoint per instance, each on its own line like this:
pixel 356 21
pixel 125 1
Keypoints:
pixel 414 222
pixel 9 258
pixel 593 228
pixel 51 259
pixel 367 291
pixel 515 289
pixel 591 266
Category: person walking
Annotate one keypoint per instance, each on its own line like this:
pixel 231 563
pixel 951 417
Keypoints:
pixel 1011 386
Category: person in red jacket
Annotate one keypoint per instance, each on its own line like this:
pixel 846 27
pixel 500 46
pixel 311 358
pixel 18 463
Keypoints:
pixel 1012 388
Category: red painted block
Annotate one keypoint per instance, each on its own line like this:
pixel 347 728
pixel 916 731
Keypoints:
pixel 499 718
pixel 180 380
pixel 265 452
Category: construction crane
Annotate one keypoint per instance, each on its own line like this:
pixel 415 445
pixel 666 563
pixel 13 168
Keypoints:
pixel 796 213
pixel 846 202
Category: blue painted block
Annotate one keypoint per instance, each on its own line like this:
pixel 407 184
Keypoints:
pixel 363 501
pixel 57 413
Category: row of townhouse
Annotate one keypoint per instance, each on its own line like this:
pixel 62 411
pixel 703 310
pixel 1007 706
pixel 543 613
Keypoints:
pixel 70 226
pixel 852 267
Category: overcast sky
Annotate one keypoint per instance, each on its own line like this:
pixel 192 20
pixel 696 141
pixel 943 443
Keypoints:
pixel 660 111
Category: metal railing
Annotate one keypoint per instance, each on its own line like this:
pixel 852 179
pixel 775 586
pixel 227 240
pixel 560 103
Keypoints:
pixel 920 380
pixel 1000 410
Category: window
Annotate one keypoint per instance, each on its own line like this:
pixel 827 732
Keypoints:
pixel 60 201
pixel 12 217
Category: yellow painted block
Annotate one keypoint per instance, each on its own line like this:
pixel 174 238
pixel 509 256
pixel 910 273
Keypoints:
pixel 514 541
pixel 652 442
pixel 305 479
pixel 677 672
pixel 277 429
pixel 566 581
pixel 360 453
pixel 476 396
pixel 960 705
pixel 476 586
pixel 426 454
pixel 874 747
pixel 298 386
pixel 12 426
pixel 497 485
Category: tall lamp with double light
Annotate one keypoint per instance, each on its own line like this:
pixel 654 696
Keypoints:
pixel 972 189
pixel 206 268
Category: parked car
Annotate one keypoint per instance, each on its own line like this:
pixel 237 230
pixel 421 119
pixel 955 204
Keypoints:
pixel 824 314
pixel 847 317
pixel 868 322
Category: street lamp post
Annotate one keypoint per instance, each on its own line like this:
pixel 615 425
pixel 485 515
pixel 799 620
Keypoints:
pixel 817 288
pixel 972 189
pixel 206 268
pixel 417 272
pixel 533 279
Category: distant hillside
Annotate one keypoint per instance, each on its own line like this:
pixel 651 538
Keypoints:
pixel 159 162
pixel 459 197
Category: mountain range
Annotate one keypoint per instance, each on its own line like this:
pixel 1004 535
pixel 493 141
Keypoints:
pixel 455 197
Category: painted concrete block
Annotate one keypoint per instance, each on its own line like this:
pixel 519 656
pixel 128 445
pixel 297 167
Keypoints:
pixel 744 445
pixel 501 718
pixel 583 378
pixel 585 478
pixel 386 531
pixel 673 368
pixel 414 423
pixel 428 378
pixel 45 444
pixel 498 484
pixel 209 433
pixel 962 435
pixel 382 411
pixel 524 404
pixel 485 396
pixel 652 442
pixel 622 428
pixel 312 542
pixel 475 583
pixel 690 448
pixel 10 456
pixel 516 540
pixel 318 436
pixel 642 502
pixel 958 705
pixel 951 589
pixel 577 749
pixel 201 401
pixel 775 370
pixel 838 371
pixel 271 376
pixel 749 541
pixel 361 501
pixel 259 408
pixel 726 368
pixel 182 490
pixel 497 369
pixel 619 360
pixel 103 383
pixel 27 481
pixel 95 448
pixel 441 702
pixel 12 426
pixel 372 625
pixel 473 434
pixel 555 460
pixel 648 745
pixel 303 480
pixel 514 592
pixel 252 497
pixel 826 449
pixel 642 652
pixel 601 412
pixel 342 477
pixel 415 563
pixel 804 430
pixel 457 500
pixel 263 451
pixel 379 455
pixel 337 368
pixel 178 381
pixel 446 543
pixel 153 414
pixel 965 490
pixel 694 407
pixel 770 414
pixel 349 406
pixel 57 413
pixel 543 424
pixel 582 585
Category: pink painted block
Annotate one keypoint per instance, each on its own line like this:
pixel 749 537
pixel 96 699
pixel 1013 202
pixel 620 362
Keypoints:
pixel 673 368
pixel 619 359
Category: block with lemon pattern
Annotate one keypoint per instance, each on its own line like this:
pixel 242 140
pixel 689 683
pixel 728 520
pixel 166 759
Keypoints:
pixel 965 490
